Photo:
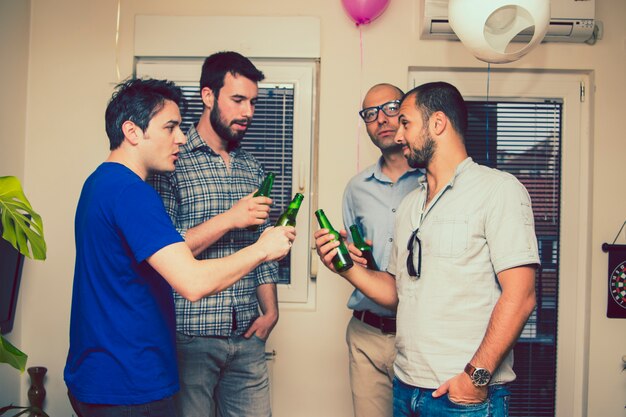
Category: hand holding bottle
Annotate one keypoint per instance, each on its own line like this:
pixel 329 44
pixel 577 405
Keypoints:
pixel 276 242
pixel 356 254
pixel 264 190
pixel 364 247
pixel 325 243
pixel 326 246
pixel 336 256
pixel 250 211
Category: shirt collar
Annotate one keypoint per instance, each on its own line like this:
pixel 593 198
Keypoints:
pixel 196 143
pixel 376 171
pixel 460 168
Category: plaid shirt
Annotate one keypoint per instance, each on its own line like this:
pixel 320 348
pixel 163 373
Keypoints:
pixel 201 188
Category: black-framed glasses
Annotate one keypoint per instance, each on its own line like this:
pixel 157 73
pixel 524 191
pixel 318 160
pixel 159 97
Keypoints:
pixel 410 263
pixel 390 108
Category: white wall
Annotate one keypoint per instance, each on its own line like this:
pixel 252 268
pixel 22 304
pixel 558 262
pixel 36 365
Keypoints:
pixel 71 70
pixel 14 42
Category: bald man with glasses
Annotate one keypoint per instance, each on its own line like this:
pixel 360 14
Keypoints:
pixel 370 201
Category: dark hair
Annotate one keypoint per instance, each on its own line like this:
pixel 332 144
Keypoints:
pixel 444 97
pixel 217 65
pixel 138 100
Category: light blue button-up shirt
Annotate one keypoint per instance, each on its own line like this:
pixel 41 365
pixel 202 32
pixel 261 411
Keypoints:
pixel 371 200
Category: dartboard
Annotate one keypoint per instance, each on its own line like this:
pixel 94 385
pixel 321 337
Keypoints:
pixel 618 284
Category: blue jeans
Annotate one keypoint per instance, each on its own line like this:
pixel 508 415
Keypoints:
pixel 227 373
pixel 409 401
pixel 160 408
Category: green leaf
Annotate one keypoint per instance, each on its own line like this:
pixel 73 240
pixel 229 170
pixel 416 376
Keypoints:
pixel 21 225
pixel 11 355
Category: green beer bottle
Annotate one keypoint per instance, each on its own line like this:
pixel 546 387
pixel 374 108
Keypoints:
pixel 266 187
pixel 288 218
pixel 264 190
pixel 342 261
pixel 361 245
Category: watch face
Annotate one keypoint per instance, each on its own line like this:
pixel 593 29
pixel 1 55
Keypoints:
pixel 481 377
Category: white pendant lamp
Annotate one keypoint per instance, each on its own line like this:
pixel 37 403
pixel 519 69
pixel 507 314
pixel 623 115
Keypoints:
pixel 486 27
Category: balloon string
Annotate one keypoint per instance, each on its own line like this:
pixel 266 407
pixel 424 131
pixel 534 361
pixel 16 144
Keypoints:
pixel 358 127
pixel 117 45
pixel 487 127
pixel 361 45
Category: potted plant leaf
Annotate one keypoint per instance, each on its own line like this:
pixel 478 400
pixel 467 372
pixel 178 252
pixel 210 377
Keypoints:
pixel 22 227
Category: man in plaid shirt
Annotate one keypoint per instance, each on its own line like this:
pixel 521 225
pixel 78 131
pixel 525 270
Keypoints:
pixel 221 338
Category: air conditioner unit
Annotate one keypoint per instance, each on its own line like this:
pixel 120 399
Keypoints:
pixel 570 21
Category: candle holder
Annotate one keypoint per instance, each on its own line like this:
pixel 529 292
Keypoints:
pixel 37 392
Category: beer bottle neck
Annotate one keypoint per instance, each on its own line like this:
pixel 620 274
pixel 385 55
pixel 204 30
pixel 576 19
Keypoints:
pixel 323 220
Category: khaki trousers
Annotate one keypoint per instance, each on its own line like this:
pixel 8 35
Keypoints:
pixel 371 369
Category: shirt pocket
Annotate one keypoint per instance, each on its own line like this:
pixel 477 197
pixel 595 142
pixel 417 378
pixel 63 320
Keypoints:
pixel 448 236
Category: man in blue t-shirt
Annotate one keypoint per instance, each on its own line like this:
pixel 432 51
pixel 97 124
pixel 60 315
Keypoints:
pixel 129 256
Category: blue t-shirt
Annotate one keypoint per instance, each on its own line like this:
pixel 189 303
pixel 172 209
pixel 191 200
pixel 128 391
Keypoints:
pixel 122 329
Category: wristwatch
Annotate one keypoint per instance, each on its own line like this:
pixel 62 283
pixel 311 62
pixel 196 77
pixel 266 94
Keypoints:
pixel 480 376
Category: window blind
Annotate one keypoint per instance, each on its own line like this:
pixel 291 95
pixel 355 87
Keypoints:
pixel 523 138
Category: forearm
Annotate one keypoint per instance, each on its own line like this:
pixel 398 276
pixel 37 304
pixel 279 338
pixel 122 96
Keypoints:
pixel 195 279
pixel 379 286
pixel 205 234
pixel 268 300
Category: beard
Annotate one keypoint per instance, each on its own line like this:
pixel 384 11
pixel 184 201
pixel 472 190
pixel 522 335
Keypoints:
pixel 223 130
pixel 420 158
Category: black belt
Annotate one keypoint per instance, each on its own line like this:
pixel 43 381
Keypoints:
pixel 384 324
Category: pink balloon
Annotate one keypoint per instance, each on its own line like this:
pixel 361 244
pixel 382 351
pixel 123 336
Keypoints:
pixel 364 11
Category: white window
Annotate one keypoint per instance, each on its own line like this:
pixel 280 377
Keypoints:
pixel 535 125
